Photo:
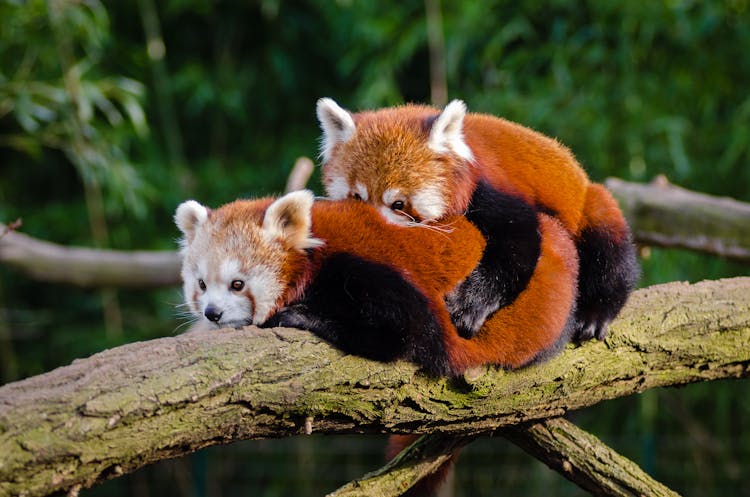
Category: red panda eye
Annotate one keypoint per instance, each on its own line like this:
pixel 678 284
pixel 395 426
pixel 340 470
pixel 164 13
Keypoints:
pixel 356 196
pixel 237 285
pixel 202 285
pixel 398 205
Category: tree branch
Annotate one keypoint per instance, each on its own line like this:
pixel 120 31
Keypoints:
pixel 133 405
pixel 666 215
pixel 584 459
pixel 417 461
pixel 88 267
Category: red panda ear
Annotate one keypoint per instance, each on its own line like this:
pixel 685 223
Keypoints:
pixel 447 132
pixel 337 125
pixel 188 217
pixel 289 219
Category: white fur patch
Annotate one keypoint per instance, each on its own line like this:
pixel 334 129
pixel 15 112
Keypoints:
pixel 391 195
pixel 229 270
pixel 393 217
pixel 188 217
pixel 266 289
pixel 361 190
pixel 428 203
pixel 337 125
pixel 338 188
pixel 447 133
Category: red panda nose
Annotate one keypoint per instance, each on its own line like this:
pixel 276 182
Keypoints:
pixel 212 313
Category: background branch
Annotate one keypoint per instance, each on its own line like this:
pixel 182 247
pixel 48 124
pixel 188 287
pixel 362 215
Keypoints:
pixel 666 215
pixel 130 406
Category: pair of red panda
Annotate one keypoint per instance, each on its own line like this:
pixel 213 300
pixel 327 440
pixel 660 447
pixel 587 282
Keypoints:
pixel 453 240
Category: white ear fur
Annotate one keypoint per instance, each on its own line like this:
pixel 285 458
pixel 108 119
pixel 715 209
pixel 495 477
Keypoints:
pixel 188 217
pixel 447 133
pixel 289 219
pixel 337 125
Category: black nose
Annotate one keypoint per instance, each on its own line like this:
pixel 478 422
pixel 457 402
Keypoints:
pixel 212 313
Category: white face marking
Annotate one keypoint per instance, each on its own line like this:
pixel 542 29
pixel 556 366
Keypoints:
pixel 391 195
pixel 428 203
pixel 265 287
pixel 338 188
pixel 393 217
pixel 361 190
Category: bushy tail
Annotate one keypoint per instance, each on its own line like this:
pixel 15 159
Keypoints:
pixel 609 269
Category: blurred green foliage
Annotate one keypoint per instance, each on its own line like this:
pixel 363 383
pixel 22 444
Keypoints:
pixel 111 113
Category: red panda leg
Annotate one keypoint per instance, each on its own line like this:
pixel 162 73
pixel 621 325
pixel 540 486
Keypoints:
pixel 609 269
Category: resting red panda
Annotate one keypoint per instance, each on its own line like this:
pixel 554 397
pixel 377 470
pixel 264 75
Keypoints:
pixel 371 288
pixel 417 164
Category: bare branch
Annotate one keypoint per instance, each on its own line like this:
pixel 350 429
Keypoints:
pixel 300 174
pixel 584 459
pixel 666 215
pixel 88 267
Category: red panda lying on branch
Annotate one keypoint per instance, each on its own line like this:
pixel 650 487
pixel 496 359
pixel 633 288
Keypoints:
pixel 373 288
pixel 418 164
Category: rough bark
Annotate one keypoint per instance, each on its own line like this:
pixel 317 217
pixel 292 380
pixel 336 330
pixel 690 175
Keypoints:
pixel 665 215
pixel 130 406
pixel 415 462
pixel 584 459
pixel 660 214
pixel 577 455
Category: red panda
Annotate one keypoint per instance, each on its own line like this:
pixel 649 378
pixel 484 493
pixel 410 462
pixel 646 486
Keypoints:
pixel 417 164
pixel 370 287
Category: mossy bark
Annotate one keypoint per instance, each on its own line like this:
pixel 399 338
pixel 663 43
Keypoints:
pixel 585 460
pixel 126 407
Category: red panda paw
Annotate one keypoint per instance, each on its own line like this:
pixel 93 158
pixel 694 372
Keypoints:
pixel 592 327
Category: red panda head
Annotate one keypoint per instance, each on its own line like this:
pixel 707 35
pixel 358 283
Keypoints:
pixel 240 261
pixel 407 161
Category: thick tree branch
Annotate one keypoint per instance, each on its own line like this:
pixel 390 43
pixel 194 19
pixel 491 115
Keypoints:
pixel 130 406
pixel 666 215
pixel 584 459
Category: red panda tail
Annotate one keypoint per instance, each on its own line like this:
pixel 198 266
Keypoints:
pixel 430 484
pixel 602 214
pixel 537 320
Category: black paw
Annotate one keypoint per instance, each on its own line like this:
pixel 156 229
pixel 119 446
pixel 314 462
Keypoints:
pixel 591 326
pixel 468 312
pixel 287 318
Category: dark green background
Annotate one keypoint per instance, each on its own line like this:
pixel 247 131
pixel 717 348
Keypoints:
pixel 636 89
